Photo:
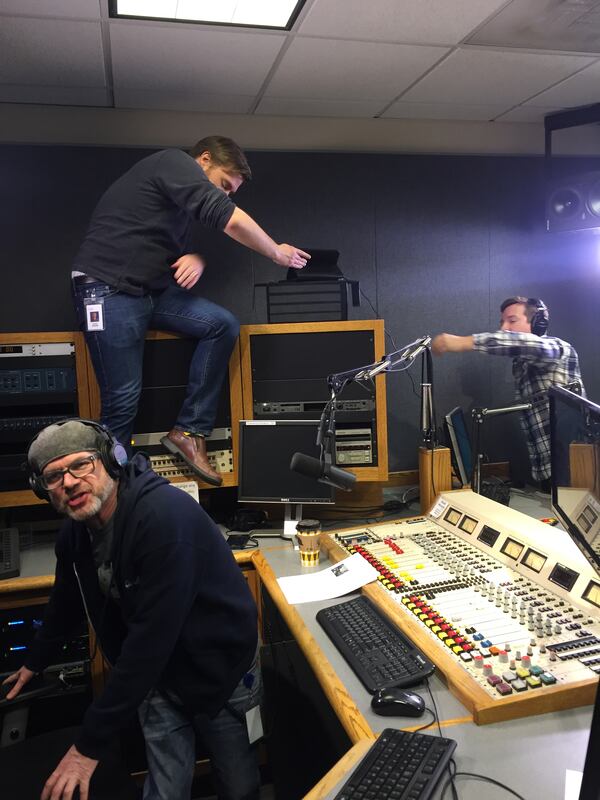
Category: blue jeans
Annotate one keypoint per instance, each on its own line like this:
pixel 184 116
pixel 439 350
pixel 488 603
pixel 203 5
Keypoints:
pixel 171 735
pixel 117 352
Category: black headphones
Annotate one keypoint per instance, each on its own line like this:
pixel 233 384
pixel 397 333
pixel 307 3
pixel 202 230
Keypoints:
pixel 541 316
pixel 112 454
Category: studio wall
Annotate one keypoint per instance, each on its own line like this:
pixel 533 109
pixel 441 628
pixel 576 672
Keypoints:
pixel 437 242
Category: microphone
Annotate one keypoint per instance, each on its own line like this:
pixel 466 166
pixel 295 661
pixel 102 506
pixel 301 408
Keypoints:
pixel 322 471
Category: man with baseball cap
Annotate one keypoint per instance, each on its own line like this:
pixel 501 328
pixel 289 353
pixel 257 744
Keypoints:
pixel 171 610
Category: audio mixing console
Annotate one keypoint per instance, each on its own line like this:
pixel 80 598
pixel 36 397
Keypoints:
pixel 505 606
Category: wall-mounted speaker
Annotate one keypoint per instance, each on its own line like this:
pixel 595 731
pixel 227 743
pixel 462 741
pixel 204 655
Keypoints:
pixel 573 204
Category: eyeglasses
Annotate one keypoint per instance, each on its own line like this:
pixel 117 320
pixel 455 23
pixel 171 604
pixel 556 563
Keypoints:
pixel 78 469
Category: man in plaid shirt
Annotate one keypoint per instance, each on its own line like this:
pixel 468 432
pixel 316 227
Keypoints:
pixel 539 361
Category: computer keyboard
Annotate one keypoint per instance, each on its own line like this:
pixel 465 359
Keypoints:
pixel 401 766
pixel 378 652
pixel 10 559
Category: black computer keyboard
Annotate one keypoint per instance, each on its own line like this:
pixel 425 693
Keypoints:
pixel 378 652
pixel 10 559
pixel 401 766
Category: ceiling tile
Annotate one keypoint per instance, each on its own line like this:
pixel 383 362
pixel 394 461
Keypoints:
pixel 299 107
pixel 78 9
pixel 183 101
pixel 186 58
pixel 402 110
pixel 579 90
pixel 474 77
pixel 566 25
pixel 340 70
pixel 422 22
pixel 50 52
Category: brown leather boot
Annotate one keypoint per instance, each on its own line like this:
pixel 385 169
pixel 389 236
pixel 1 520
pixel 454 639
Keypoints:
pixel 193 451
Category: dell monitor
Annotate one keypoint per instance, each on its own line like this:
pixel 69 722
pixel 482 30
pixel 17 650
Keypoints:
pixel 266 450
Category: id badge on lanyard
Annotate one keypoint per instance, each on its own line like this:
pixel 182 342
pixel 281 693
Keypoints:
pixel 94 313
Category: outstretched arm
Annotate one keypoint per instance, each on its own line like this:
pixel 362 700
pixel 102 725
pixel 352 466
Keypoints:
pixel 243 229
pixel 448 343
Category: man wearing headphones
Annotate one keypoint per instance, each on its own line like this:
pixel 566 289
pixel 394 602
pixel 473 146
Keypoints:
pixel 539 361
pixel 171 610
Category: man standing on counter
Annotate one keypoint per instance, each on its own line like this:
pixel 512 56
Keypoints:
pixel 172 613
pixel 539 362
pixel 132 272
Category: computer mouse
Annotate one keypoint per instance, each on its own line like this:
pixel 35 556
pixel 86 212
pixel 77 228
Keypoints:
pixel 395 702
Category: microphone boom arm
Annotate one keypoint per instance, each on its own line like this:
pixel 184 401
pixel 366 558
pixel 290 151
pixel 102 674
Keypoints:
pixel 406 355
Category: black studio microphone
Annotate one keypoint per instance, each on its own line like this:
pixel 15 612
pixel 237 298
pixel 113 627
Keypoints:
pixel 322 472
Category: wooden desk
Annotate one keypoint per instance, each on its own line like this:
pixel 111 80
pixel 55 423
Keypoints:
pixel 530 755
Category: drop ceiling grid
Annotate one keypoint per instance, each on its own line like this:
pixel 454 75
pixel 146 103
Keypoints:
pixel 432 59
pixel 422 22
pixel 474 76
pixel 186 59
pixel 349 70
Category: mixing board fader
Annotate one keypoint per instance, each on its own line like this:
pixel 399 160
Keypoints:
pixel 490 594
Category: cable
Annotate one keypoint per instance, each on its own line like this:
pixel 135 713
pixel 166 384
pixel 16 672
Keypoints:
pixel 437 719
pixel 387 333
pixel 450 781
pixel 249 541
pixel 414 388
pixel 433 703
pixel 429 724
pixel 476 776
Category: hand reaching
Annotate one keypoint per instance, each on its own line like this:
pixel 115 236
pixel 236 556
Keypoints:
pixel 288 256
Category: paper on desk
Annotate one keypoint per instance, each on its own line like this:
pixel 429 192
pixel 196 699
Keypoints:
pixel 335 581
pixel 573 780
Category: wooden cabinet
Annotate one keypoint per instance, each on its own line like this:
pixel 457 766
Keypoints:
pixel 284 373
pixel 30 364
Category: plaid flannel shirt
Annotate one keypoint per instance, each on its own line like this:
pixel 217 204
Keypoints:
pixel 538 363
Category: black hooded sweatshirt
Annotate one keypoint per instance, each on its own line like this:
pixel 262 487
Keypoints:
pixel 186 620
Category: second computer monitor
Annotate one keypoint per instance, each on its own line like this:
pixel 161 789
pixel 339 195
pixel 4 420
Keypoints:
pixel 266 449
pixel 460 445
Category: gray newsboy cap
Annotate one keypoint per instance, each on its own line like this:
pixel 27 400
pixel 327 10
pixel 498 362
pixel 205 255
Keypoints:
pixel 58 440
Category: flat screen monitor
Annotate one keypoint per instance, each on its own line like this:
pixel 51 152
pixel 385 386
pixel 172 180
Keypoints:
pixel 460 445
pixel 575 453
pixel 266 449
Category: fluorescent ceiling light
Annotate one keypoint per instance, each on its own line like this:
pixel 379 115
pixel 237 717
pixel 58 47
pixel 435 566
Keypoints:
pixel 261 13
